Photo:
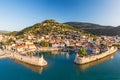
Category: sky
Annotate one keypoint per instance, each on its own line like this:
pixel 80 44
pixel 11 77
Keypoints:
pixel 17 14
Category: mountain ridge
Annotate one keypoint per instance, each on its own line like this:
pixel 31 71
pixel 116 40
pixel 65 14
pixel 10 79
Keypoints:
pixel 48 27
pixel 96 28
pixel 53 27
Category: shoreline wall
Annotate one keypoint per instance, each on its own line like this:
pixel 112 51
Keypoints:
pixel 88 59
pixel 48 49
pixel 37 61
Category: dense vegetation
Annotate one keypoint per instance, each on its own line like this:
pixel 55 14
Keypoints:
pixel 82 52
pixel 82 25
pixel 47 27
pixel 53 27
pixel 12 33
pixel 96 29
pixel 43 43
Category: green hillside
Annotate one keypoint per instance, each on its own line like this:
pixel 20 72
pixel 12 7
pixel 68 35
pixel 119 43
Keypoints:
pixel 96 29
pixel 46 27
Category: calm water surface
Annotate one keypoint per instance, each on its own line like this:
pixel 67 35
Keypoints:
pixel 61 67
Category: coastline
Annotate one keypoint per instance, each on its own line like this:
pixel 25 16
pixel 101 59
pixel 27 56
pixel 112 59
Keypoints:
pixel 33 60
pixel 26 59
pixel 88 59
pixel 48 49
pixel 93 63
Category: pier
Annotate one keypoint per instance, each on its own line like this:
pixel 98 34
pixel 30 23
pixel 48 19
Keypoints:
pixel 37 61
pixel 88 59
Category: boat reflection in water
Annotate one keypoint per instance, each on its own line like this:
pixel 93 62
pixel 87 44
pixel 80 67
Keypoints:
pixel 85 66
pixel 37 69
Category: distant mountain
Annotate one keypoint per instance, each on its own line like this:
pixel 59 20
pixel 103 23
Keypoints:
pixel 96 28
pixel 2 31
pixel 51 27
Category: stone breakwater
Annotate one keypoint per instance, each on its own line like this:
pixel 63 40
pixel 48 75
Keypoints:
pixel 87 59
pixel 37 61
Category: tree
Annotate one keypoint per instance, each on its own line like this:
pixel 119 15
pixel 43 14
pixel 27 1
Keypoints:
pixel 1 43
pixel 82 52
pixel 45 44
pixel 10 41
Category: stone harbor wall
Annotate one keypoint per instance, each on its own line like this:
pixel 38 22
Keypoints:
pixel 37 61
pixel 87 59
pixel 48 49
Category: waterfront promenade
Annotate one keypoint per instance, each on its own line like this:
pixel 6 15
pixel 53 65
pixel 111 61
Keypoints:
pixel 27 59
pixel 48 49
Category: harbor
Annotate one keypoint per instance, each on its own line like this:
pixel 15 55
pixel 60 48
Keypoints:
pixel 37 61
pixel 59 65
pixel 91 58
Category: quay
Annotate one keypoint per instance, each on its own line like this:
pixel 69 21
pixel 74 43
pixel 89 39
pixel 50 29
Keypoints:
pixel 88 59
pixel 40 49
pixel 37 61
pixel 48 49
